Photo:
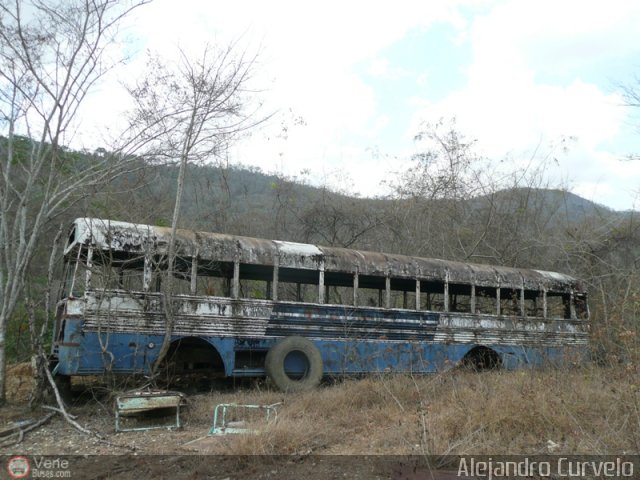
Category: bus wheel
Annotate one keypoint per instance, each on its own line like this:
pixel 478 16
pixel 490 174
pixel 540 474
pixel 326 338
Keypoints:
pixel 294 364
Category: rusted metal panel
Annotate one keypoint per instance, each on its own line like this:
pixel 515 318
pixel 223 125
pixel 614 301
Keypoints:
pixel 484 275
pixel 401 266
pixel 139 402
pixel 216 246
pixel 256 251
pixel 234 418
pixel 298 255
pixel 554 281
pixel 221 317
pixel 252 319
pixel 532 280
pixel 342 259
pixel 114 235
pixel 460 273
pixel 228 248
pixel 431 268
pixel 373 263
pixel 509 277
pixel 135 403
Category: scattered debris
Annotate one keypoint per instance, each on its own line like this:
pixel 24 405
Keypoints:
pixel 15 427
pixel 21 428
pixel 133 404
pixel 552 446
pixel 229 418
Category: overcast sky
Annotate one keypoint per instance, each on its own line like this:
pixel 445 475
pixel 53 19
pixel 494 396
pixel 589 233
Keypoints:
pixel 354 81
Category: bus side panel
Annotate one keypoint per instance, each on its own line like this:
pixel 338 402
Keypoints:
pixel 349 357
pixel 516 357
pixel 122 353
pixel 350 339
pixel 126 353
pixel 425 357
pixel 135 353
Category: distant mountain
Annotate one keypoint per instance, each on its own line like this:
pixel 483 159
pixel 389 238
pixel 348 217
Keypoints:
pixel 562 205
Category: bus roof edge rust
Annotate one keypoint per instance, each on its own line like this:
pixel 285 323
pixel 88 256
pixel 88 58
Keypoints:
pixel 118 235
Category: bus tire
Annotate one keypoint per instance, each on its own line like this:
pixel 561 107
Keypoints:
pixel 275 364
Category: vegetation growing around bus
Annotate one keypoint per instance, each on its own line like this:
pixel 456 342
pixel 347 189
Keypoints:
pixel 568 228
pixel 445 206
pixel 246 307
pixel 52 56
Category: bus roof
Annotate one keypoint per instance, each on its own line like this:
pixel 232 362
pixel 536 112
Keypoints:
pixel 139 238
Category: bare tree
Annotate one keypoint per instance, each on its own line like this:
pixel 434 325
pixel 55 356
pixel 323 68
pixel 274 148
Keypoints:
pixel 323 216
pixel 191 110
pixel 432 192
pixel 38 331
pixel 456 204
pixel 51 55
pixel 446 167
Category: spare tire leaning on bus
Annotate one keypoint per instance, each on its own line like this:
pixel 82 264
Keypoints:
pixel 275 364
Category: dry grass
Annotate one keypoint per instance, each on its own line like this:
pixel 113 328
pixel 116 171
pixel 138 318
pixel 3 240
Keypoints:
pixel 589 411
pixel 586 411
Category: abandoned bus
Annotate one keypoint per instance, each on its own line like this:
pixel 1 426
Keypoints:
pixel 295 312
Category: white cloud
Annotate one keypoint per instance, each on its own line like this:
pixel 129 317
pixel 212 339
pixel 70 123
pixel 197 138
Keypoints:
pixel 507 116
pixel 506 106
pixel 310 56
pixel 306 64
pixel 558 34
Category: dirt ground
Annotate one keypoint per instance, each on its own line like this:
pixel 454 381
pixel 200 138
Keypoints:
pixel 184 453
pixel 384 426
pixel 187 452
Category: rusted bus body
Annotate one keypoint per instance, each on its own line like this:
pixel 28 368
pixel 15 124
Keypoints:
pixel 235 298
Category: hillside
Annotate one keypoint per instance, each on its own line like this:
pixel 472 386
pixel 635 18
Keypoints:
pixel 229 199
pixel 249 201
pixel 581 411
pixel 546 229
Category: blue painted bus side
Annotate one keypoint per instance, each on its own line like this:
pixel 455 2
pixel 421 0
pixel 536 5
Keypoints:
pixel 129 353
pixel 107 324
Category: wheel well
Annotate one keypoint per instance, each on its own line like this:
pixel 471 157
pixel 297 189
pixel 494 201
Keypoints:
pixel 482 358
pixel 190 354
